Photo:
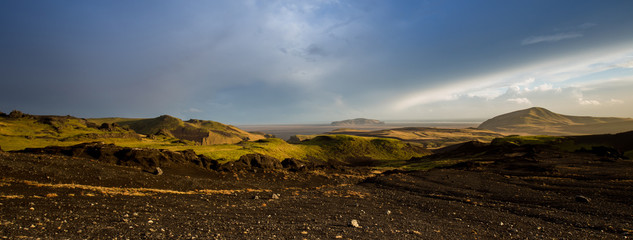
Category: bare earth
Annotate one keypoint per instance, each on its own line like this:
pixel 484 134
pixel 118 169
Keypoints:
pixel 542 197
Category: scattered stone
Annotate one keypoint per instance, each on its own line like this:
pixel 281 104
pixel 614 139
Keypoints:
pixel 275 196
pixel 354 223
pixel 158 171
pixel 582 199
pixel 256 197
pixel 388 212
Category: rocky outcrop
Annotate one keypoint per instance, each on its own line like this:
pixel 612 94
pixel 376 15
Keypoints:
pixel 146 158
pixel 17 114
pixel 293 164
pixel 252 161
pixel 151 160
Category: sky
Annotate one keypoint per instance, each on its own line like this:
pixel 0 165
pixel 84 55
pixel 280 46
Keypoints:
pixel 276 62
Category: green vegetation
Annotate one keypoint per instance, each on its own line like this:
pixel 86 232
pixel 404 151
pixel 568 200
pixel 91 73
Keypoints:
pixel 523 140
pixel 351 147
pixel 20 133
pixel 200 131
pixel 36 131
pixel 425 136
pixel 153 125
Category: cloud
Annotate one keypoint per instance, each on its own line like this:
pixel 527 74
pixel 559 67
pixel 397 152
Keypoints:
pixel 543 88
pixel 550 38
pixel 615 101
pixel 628 64
pixel 583 101
pixel 520 100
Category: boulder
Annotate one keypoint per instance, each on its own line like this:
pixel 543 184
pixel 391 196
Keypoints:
pixel 260 161
pixel 252 162
pixel 207 162
pixel 292 163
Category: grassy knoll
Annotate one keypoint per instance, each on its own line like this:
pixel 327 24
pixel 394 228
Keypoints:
pixel 20 133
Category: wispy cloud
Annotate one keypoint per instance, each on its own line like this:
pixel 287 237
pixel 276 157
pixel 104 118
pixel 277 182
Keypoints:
pixel 520 85
pixel 583 101
pixel 615 101
pixel 550 38
pixel 520 100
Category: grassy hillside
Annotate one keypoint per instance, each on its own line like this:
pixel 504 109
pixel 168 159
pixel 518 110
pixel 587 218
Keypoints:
pixel 28 131
pixel 427 137
pixel 540 121
pixel 354 147
pixel 39 131
pixel 200 131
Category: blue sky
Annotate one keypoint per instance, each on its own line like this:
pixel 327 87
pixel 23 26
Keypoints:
pixel 248 62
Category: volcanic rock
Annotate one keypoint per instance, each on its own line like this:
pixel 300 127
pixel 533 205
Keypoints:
pixel 582 199
pixel 292 163
pixel 148 159
pixel 259 161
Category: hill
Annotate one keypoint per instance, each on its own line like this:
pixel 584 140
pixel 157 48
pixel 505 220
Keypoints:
pixel 200 131
pixel 357 121
pixel 427 136
pixel 540 121
pixel 19 130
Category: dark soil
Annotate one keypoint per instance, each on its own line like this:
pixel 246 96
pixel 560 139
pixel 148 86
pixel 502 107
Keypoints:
pixel 545 195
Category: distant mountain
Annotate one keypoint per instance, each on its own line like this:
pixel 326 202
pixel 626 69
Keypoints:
pixel 540 121
pixel 358 121
pixel 200 131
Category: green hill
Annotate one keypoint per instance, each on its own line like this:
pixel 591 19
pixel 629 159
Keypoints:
pixel 353 148
pixel 216 140
pixel 19 130
pixel 200 131
pixel 426 136
pixel 540 121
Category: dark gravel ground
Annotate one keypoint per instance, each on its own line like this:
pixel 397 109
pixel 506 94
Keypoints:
pixel 56 197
